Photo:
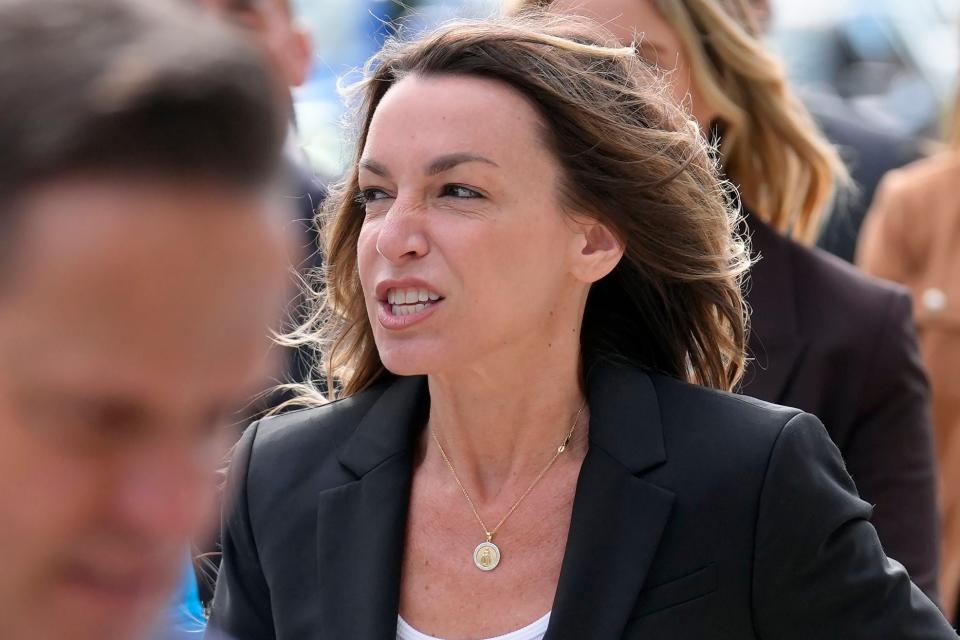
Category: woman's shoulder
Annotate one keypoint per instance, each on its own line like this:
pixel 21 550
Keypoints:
pixel 307 440
pixel 687 421
pixel 827 282
pixel 823 286
pixel 914 210
pixel 698 412
pixel 837 305
pixel 684 397
pixel 928 179
pixel 713 439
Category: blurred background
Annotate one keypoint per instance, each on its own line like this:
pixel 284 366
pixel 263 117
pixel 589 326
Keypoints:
pixel 892 64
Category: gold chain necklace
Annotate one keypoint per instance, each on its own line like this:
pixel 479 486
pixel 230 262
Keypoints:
pixel 487 554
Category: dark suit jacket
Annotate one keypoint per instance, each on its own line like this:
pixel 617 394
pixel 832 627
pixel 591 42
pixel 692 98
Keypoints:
pixel 697 514
pixel 841 345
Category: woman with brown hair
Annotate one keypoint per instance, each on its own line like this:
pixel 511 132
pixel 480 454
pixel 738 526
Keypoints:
pixel 532 314
pixel 824 338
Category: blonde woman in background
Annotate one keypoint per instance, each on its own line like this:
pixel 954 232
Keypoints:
pixel 533 316
pixel 824 338
pixel 912 236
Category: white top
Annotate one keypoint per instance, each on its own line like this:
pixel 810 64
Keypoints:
pixel 534 631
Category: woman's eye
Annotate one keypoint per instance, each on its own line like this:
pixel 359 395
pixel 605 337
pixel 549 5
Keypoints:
pixel 459 191
pixel 367 196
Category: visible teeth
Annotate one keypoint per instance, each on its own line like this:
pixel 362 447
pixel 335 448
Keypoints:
pixel 407 309
pixel 411 296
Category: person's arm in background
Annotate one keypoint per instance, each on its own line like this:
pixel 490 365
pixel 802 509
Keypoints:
pixel 899 394
pixel 890 449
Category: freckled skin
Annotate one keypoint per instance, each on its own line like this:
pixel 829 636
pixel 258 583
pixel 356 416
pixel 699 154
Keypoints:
pixel 468 249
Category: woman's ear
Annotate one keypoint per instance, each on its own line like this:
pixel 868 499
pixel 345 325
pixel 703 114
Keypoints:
pixel 598 251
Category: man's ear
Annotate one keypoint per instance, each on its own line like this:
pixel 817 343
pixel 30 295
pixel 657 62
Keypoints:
pixel 298 55
pixel 599 251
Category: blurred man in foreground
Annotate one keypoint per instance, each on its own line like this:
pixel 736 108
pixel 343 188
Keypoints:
pixel 143 263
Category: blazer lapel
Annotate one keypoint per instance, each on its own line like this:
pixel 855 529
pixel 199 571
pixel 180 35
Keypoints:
pixel 361 525
pixel 775 342
pixel 618 517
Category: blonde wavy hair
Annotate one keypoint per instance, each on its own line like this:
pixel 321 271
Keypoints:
pixel 628 156
pixel 786 170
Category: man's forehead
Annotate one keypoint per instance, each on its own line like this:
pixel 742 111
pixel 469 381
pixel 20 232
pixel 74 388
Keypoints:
pixel 144 253
pixel 246 6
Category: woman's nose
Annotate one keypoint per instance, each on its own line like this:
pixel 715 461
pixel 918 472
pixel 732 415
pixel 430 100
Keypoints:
pixel 403 234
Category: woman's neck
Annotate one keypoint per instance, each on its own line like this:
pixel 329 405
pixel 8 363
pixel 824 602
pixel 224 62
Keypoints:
pixel 502 424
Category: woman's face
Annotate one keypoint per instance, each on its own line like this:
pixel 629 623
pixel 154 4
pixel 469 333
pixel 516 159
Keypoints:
pixel 465 255
pixel 657 42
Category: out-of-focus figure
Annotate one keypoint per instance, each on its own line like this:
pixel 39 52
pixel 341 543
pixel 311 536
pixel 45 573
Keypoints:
pixel 143 266
pixel 286 43
pixel 273 26
pixel 824 338
pixel 868 149
pixel 870 152
pixel 912 236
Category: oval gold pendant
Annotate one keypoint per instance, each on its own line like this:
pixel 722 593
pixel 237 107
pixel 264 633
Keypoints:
pixel 486 556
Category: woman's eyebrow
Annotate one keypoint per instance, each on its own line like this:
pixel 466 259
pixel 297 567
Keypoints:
pixel 375 167
pixel 447 162
pixel 436 167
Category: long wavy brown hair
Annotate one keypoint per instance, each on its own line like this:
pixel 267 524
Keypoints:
pixel 786 168
pixel 629 157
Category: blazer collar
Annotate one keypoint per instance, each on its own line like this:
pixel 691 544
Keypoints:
pixel 361 525
pixel 390 426
pixel 617 395
pixel 772 280
pixel 625 416
pixel 617 520
pixel 618 516
pixel 776 341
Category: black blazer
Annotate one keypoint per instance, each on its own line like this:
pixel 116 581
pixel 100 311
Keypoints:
pixel 697 514
pixel 836 343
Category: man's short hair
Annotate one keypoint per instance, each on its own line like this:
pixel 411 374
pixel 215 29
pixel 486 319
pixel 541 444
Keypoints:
pixel 151 87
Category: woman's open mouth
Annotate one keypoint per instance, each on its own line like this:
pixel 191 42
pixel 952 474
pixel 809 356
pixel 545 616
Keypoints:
pixel 411 300
pixel 406 306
